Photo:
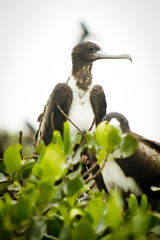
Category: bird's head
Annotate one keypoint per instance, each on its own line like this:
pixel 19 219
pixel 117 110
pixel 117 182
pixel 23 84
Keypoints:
pixel 87 52
pixel 120 118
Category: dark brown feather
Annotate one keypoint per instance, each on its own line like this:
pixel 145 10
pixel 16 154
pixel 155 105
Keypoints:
pixel 52 118
pixel 98 101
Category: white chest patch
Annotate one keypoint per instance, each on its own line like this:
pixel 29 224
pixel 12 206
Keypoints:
pixel 81 112
pixel 114 177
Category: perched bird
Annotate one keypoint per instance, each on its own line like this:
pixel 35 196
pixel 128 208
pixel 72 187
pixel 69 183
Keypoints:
pixel 137 173
pixel 82 102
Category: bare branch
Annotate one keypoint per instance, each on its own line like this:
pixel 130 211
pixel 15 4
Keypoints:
pixel 94 119
pixel 89 170
pixel 35 156
pixel 20 142
pixel 97 173
pixel 83 134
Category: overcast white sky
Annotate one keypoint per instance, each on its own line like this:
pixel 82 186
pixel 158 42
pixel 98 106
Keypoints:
pixel 36 38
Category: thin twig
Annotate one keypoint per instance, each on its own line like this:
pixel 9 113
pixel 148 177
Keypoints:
pixel 92 185
pixel 79 146
pixel 97 173
pixel 92 124
pixel 83 134
pixel 83 138
pixel 20 142
pixel 22 230
pixel 35 156
pixel 89 170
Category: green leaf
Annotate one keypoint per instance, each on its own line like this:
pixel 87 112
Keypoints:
pixel 12 158
pixel 52 164
pixel 38 228
pixel 57 138
pixel 40 148
pixel 22 210
pixel 26 168
pixel 156 230
pixel 132 204
pixel 140 223
pixel 108 136
pixel 18 146
pixel 3 178
pixel 45 194
pixel 75 173
pixel 54 227
pixel 101 155
pixel 83 231
pixel 144 202
pixel 14 187
pixel 128 146
pixel 65 233
pixel 72 186
pixel 90 142
pixel 76 139
pixel 113 217
pixel 66 138
pixel 95 209
pixel 74 212
pixel 73 160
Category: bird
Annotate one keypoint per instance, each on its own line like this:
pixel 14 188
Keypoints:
pixel 84 103
pixel 138 173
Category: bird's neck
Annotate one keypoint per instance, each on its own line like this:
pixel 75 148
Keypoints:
pixel 83 76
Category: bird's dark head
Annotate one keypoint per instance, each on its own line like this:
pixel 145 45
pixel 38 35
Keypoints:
pixel 123 122
pixel 86 53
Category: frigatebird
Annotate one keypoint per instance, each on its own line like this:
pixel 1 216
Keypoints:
pixel 139 172
pixel 82 102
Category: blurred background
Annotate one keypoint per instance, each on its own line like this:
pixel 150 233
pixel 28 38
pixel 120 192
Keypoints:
pixel 37 37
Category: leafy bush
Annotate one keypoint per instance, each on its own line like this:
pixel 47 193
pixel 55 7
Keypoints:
pixel 44 199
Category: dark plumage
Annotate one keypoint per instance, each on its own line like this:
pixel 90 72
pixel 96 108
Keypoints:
pixel 144 165
pixel 52 118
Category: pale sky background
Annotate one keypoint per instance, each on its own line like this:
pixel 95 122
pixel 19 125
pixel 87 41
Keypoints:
pixel 36 39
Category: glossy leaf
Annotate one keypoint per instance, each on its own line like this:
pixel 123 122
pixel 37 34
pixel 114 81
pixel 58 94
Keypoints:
pixel 128 146
pixel 3 178
pixel 38 228
pixel 72 186
pixel 144 202
pixel 101 155
pixel 83 231
pixel 75 212
pixel 12 158
pixel 108 136
pixel 57 138
pixel 95 209
pixel 133 204
pixel 66 138
pixel 113 217
pixel 52 164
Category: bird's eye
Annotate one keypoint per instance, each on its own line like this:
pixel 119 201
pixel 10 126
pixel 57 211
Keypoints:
pixel 91 49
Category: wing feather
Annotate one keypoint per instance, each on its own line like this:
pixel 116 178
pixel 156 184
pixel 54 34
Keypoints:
pixel 52 119
pixel 98 101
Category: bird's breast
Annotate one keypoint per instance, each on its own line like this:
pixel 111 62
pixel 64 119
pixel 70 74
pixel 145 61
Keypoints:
pixel 81 112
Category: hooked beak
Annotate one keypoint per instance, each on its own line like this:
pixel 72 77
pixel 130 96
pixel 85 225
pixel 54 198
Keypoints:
pixel 102 55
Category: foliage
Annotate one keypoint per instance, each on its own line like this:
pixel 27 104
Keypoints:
pixel 45 199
